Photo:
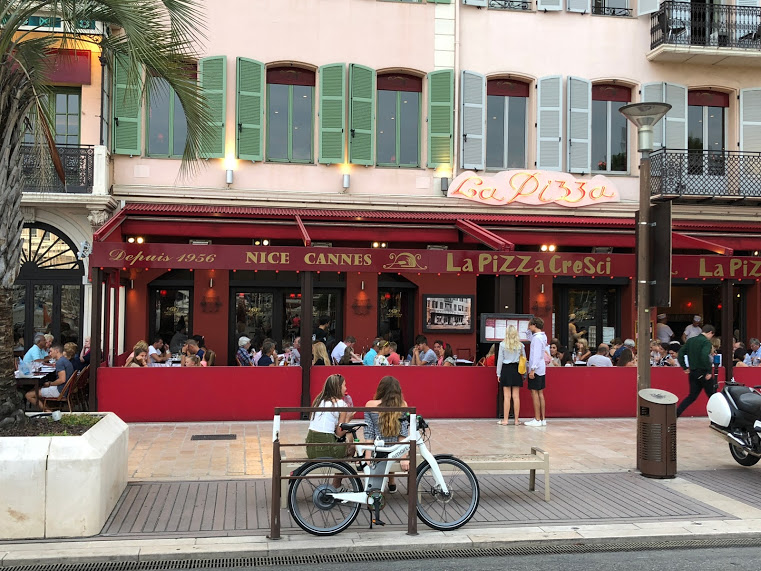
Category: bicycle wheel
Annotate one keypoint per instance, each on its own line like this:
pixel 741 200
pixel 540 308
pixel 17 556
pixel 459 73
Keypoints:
pixel 452 510
pixel 311 504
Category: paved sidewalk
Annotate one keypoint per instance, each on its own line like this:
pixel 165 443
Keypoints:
pixel 597 494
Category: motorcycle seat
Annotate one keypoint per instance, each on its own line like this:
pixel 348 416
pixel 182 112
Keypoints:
pixel 736 392
pixel 750 402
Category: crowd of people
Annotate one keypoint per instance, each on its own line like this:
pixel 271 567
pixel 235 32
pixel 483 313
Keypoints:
pixel 67 358
pixel 192 352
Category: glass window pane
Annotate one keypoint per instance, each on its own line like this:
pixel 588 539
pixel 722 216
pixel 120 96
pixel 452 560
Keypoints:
pixel 516 132
pixel 409 115
pixel 43 309
pixel 302 123
pixel 158 119
pixel 715 129
pixel 618 139
pixel 254 311
pixel 74 103
pixel 582 303
pixel 386 138
pixel 277 122
pixel 73 125
pixel 695 127
pixel 179 128
pixel 172 307
pixel 495 132
pixel 600 135
pixel 60 103
pixel 70 309
pixel 19 318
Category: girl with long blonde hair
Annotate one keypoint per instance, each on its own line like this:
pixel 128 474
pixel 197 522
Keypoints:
pixel 386 425
pixel 510 380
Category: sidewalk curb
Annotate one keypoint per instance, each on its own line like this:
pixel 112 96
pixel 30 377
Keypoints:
pixel 144 551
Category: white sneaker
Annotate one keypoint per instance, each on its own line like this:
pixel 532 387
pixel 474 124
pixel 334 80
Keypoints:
pixel 533 422
pixel 544 423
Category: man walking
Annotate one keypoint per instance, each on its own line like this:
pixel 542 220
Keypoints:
pixel 536 370
pixel 695 358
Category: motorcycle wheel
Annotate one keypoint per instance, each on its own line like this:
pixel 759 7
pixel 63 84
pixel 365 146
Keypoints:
pixel 742 457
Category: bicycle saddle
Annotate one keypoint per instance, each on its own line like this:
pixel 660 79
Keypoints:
pixel 353 425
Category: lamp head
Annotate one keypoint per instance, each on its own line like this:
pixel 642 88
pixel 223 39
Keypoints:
pixel 645 114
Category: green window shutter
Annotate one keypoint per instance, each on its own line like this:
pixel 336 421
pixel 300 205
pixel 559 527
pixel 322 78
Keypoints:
pixel 126 113
pixel 213 71
pixel 440 117
pixel 361 114
pixel 249 113
pixel 332 112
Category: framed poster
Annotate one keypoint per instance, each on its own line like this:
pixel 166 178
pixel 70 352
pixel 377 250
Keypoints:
pixel 494 325
pixel 448 313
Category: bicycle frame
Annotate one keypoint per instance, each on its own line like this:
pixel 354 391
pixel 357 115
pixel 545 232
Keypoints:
pixel 382 469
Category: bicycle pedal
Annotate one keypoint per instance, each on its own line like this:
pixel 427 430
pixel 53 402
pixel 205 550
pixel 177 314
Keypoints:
pixel 377 522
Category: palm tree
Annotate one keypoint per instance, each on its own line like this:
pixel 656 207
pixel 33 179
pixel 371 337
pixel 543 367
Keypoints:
pixel 148 38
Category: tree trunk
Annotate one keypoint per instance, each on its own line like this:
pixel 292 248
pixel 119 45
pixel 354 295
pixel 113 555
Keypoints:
pixel 16 98
pixel 11 401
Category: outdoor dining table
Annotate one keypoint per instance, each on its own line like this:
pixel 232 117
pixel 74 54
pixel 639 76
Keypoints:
pixel 32 380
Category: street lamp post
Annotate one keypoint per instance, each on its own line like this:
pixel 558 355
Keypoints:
pixel 644 116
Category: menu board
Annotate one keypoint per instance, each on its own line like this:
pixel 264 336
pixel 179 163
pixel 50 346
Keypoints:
pixel 494 326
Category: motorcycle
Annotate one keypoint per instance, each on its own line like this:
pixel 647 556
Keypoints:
pixel 735 413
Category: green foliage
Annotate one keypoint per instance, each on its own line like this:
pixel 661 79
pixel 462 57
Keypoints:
pixel 87 420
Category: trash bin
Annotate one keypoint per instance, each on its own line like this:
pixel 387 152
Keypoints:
pixel 656 433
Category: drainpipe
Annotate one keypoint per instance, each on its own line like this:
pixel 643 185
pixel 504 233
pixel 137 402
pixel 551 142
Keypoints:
pixel 457 86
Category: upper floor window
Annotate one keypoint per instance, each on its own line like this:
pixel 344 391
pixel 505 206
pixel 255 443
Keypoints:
pixel 609 128
pixel 398 124
pixel 506 101
pixel 611 7
pixel 706 131
pixel 167 125
pixel 65 106
pixel 290 110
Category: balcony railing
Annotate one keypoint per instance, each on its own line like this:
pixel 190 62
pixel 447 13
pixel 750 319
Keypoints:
pixel 40 176
pixel 510 4
pixel 707 25
pixel 602 10
pixel 695 174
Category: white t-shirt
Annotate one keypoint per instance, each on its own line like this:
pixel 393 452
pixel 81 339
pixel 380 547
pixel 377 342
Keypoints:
pixel 153 351
pixel 326 421
pixel 692 331
pixel 599 361
pixel 338 352
pixel 663 332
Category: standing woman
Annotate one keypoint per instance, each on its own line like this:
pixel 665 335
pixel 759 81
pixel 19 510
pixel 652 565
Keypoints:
pixel 511 381
pixel 325 427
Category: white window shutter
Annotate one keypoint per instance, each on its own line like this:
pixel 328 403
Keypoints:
pixel 579 125
pixel 473 120
pixel 676 119
pixel 549 140
pixel 647 6
pixel 750 120
pixel 549 5
pixel 654 92
pixel 583 6
pixel 480 3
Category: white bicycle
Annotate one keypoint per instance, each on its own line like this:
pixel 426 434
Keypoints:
pixel 447 488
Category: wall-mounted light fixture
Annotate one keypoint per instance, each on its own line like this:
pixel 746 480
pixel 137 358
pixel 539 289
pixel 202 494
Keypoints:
pixel 541 289
pixel 132 284
pixel 444 185
pixel 379 244
pixel 346 181
pixel 211 282
pixel 229 176
pixel 548 247
pixel 261 242
pixel 135 239
pixel 200 242
pixel 363 285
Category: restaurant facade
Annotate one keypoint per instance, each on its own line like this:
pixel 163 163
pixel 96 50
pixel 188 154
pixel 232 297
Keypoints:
pixel 399 170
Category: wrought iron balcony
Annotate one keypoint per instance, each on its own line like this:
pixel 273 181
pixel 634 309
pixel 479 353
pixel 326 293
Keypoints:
pixel 510 4
pixel 689 175
pixel 705 29
pixel 40 176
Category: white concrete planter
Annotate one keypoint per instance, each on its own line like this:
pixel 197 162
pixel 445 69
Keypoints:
pixel 62 486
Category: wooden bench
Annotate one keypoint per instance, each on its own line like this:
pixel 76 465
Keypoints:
pixel 538 459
